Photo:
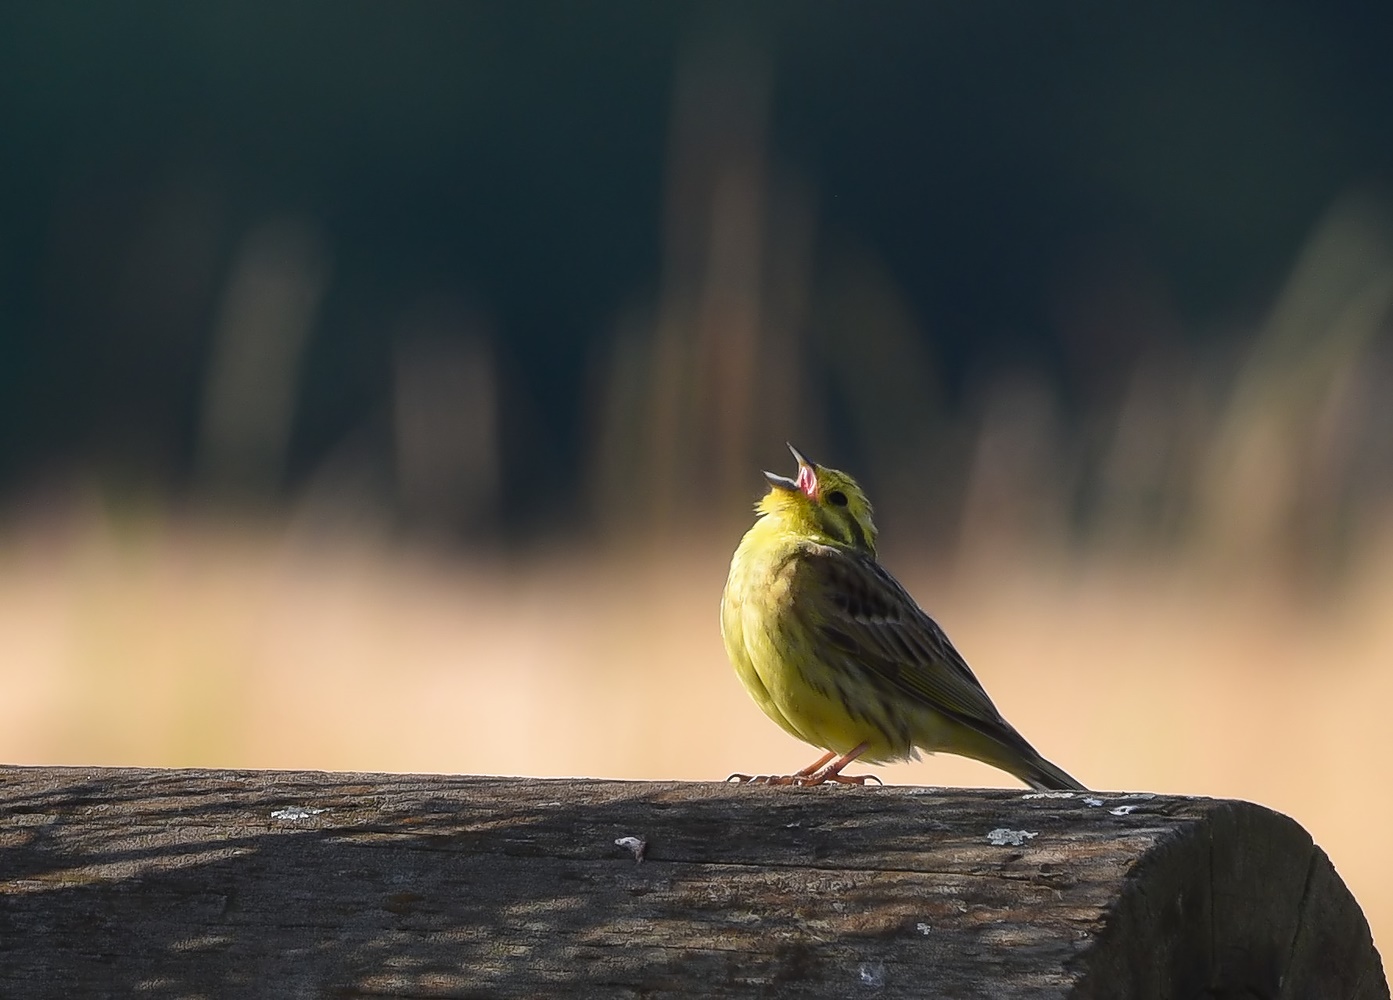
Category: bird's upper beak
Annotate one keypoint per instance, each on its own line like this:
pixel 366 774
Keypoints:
pixel 807 477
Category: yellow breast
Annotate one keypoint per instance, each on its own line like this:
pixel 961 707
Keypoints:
pixel 778 663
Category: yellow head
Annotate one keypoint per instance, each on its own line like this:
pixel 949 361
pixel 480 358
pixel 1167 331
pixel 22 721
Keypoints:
pixel 821 501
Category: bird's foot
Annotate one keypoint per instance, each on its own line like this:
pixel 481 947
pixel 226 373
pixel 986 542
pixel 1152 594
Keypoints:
pixel 802 780
pixel 819 772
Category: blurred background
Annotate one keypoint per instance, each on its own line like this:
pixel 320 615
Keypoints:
pixel 385 387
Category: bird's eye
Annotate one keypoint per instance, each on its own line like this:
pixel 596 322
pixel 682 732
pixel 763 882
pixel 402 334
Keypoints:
pixel 837 497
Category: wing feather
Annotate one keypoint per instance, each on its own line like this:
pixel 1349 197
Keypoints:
pixel 855 605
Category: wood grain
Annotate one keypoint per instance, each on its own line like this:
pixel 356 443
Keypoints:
pixel 156 883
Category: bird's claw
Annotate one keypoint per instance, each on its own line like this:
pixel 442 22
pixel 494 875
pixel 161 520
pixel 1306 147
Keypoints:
pixel 850 779
pixel 841 779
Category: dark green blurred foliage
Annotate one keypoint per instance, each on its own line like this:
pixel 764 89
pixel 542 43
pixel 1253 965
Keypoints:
pixel 263 250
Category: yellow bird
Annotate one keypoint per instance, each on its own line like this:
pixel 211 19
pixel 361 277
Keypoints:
pixel 835 651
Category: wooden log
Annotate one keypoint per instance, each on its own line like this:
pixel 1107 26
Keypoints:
pixel 150 883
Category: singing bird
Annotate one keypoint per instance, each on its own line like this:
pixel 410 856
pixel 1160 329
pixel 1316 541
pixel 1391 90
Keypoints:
pixel 835 651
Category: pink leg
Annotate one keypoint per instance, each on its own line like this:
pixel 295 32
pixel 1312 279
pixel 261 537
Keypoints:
pixel 833 771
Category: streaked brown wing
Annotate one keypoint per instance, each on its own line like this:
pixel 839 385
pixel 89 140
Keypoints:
pixel 858 607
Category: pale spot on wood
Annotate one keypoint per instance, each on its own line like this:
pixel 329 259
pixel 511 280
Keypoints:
pixel 1001 837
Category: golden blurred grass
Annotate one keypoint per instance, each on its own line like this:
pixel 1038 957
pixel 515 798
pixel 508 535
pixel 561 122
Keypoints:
pixel 164 644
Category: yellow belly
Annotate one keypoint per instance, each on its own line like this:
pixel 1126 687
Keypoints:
pixel 783 674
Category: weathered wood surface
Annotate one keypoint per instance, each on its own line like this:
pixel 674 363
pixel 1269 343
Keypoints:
pixel 277 884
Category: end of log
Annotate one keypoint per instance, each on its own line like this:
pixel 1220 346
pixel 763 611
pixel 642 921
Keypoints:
pixel 1236 902
pixel 118 882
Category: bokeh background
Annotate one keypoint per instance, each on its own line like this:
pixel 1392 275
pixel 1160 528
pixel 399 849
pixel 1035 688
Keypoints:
pixel 385 386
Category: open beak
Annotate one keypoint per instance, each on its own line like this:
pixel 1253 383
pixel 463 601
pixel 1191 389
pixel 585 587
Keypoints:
pixel 805 474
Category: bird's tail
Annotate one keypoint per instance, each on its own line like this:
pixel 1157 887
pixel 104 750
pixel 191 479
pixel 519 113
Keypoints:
pixel 1043 776
pixel 997 744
